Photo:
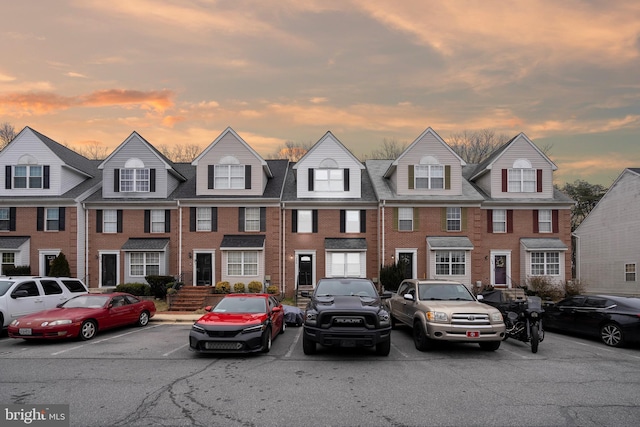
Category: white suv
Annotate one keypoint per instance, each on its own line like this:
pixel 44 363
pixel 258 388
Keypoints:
pixel 20 295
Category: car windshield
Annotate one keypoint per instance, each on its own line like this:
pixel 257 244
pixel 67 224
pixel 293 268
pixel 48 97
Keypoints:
pixel 444 292
pixel 86 301
pixel 241 305
pixel 361 288
pixel 4 286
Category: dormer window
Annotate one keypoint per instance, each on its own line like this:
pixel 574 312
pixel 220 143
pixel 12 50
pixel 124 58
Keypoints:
pixel 229 174
pixel 522 177
pixel 134 177
pixel 28 174
pixel 429 174
pixel 329 177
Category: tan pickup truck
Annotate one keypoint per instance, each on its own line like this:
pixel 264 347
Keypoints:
pixel 440 310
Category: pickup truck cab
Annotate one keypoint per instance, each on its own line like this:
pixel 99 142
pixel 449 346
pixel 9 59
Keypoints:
pixel 440 310
pixel 22 295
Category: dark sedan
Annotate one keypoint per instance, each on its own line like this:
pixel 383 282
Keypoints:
pixel 615 320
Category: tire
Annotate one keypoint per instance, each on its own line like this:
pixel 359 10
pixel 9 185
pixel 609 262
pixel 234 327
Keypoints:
pixel 611 335
pixel 383 348
pixel 143 319
pixel 284 327
pixel 266 341
pixel 308 346
pixel 420 339
pixel 394 322
pixel 535 338
pixel 490 345
pixel 88 330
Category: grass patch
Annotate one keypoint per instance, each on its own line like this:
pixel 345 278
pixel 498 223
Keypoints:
pixel 161 305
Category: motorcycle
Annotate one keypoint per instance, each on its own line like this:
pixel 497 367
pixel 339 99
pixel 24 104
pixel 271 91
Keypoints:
pixel 522 317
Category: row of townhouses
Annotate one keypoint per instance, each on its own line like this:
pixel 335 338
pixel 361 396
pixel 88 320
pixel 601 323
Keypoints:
pixel 231 215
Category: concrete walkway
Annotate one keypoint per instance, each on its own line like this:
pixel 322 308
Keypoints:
pixel 175 317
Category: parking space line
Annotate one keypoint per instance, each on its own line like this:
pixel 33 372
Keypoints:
pixel 103 340
pixel 402 353
pixel 293 344
pixel 175 349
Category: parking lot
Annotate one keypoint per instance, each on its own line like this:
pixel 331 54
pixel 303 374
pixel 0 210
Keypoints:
pixel 147 376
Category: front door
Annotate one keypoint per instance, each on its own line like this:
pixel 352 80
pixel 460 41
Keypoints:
pixel 204 272
pixel 304 271
pixel 109 270
pixel 500 270
pixel 405 259
pixel 48 261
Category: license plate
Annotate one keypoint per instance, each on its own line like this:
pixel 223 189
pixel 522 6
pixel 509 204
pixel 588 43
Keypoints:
pixel 348 343
pixel 473 334
pixel 24 331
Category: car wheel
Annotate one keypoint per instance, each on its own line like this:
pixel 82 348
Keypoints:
pixel 88 330
pixel 611 335
pixel 383 348
pixel 420 339
pixel 308 346
pixel 143 320
pixel 284 327
pixel 490 345
pixel 266 341
pixel 535 338
pixel 394 322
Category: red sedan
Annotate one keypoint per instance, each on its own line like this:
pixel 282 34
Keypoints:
pixel 240 323
pixel 83 316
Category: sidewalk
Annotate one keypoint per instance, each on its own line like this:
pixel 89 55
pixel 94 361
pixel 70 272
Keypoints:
pixel 175 317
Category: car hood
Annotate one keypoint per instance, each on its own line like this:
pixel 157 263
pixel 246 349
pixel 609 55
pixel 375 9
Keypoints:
pixel 345 303
pixel 458 306
pixel 232 319
pixel 58 314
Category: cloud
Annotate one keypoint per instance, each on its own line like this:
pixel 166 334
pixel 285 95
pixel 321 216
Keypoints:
pixel 72 74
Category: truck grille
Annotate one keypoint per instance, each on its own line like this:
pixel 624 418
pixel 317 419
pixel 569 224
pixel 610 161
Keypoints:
pixel 470 319
pixel 365 320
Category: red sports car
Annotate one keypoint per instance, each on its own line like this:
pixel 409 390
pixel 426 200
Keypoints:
pixel 240 323
pixel 83 316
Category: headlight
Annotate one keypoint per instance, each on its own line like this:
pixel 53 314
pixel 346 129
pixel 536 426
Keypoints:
pixel 496 317
pixel 311 318
pixel 15 323
pixel 256 328
pixel 57 322
pixel 534 314
pixel 383 318
pixel 197 328
pixel 437 316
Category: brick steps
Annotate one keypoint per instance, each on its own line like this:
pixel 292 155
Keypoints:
pixel 190 298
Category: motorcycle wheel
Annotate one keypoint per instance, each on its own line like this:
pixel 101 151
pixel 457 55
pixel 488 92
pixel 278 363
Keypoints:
pixel 535 338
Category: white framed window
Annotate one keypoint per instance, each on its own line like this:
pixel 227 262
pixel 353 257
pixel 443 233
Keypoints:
pixel 405 219
pixel 545 263
pixel 226 177
pixel 305 221
pixel 203 219
pixel 454 219
pixel 499 220
pixel 252 219
pixel 52 219
pixel 27 176
pixel 328 180
pixel 144 264
pixel 8 260
pixel 429 176
pixel 352 221
pixel 450 263
pixel 345 264
pixel 110 221
pixel 544 221
pixel 242 263
pixel 134 180
pixel 5 219
pixel 157 221
pixel 522 177
pixel 630 272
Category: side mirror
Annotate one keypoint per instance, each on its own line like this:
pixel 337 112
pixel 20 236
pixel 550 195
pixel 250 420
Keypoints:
pixel 305 294
pixel 408 297
pixel 480 297
pixel 277 309
pixel 208 308
pixel 386 294
pixel 19 294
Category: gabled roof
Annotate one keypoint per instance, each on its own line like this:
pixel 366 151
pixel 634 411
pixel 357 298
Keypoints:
pixel 485 166
pixel 427 131
pixel 169 165
pixel 319 143
pixel 229 130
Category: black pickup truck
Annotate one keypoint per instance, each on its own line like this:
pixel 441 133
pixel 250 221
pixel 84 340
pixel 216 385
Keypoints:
pixel 346 312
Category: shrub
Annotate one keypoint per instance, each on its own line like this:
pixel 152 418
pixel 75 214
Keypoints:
pixel 19 270
pixel 255 286
pixel 544 288
pixel 574 287
pixel 172 291
pixel 159 285
pixel 222 288
pixel 273 289
pixel 238 287
pixel 139 289
pixel 60 266
pixel 391 276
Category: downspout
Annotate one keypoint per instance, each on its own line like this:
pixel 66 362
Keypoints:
pixel 383 232
pixel 86 244
pixel 577 255
pixel 180 242
pixel 283 255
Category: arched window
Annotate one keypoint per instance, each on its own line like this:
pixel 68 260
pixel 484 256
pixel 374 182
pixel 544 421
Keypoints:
pixel 329 177
pixel 429 174
pixel 522 177
pixel 229 174
pixel 27 173
pixel 134 177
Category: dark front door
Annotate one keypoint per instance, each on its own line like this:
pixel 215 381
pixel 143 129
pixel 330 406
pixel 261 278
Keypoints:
pixel 109 273
pixel 406 261
pixel 500 270
pixel 304 271
pixel 48 260
pixel 204 273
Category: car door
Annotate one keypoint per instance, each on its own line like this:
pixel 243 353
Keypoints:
pixel 589 318
pixel 277 317
pixel 25 298
pixel 120 312
pixel 410 306
pixel 53 293
pixel 566 313
pixel 397 302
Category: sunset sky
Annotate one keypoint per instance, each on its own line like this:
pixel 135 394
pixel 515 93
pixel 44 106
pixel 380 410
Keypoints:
pixel 566 73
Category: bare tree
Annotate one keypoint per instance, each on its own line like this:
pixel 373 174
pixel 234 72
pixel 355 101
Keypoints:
pixel 93 151
pixel 586 197
pixel 180 153
pixel 390 149
pixel 293 151
pixel 7 133
pixel 475 146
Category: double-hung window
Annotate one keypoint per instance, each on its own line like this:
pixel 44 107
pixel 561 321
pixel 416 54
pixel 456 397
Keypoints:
pixel 429 176
pixel 134 180
pixel 157 221
pixel 110 221
pixel 545 221
pixel 545 263
pixel 229 176
pixel 52 219
pixel 242 263
pixel 522 177
pixel 352 221
pixel 203 219
pixel 630 272
pixel 144 264
pixel 405 219
pixel 27 176
pixel 252 219
pixel 454 219
pixel 499 221
pixel 5 219
pixel 329 180
pixel 345 264
pixel 305 221
pixel 450 263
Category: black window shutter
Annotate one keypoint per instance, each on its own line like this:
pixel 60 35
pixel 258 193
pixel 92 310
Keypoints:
pixel 61 215
pixel 363 221
pixel 7 177
pixel 247 177
pixel 98 220
pixel 505 181
pixel 192 219
pixel 240 219
pixel 45 176
pixel 538 180
pixel 210 177
pixel 294 220
pixel 536 225
pixel 555 226
pixel 147 221
pixel 116 180
pixel 40 219
pixel 119 219
pixel 490 221
pixel 346 179
pixel 152 180
pixel 310 179
pixel 263 219
pixel 12 219
pixel 510 221
pixel 343 220
pixel 214 219
pixel 314 220
pixel 167 221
